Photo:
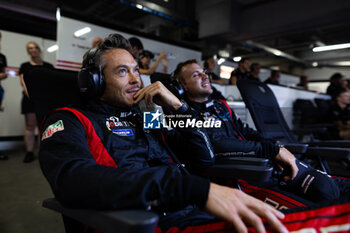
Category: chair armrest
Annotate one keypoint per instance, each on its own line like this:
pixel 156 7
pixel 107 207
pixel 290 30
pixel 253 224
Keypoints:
pixel 246 172
pixel 328 152
pixel 242 161
pixel 331 143
pixel 296 148
pixel 109 221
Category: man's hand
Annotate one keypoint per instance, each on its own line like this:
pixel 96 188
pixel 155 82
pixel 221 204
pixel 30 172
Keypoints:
pixel 157 93
pixel 237 207
pixel 162 55
pixel 286 162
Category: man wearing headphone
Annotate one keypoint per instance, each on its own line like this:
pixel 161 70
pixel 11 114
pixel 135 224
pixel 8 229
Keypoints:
pixel 99 156
pixel 235 138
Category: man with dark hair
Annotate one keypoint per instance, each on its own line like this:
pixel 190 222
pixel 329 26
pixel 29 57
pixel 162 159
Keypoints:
pixel 274 77
pixel 241 72
pixel 340 112
pixel 136 47
pixel 209 64
pixel 99 156
pixel 336 82
pixel 254 71
pixel 235 138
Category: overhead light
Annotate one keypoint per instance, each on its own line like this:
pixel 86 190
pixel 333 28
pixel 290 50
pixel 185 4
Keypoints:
pixel 52 48
pixel 224 53
pixel 221 60
pixel 314 64
pixel 58 14
pixel 274 67
pixel 225 71
pixel 82 31
pixel 166 0
pixel 331 47
pixel 343 63
pixel 237 59
pixel 139 6
pixel 215 57
pixel 277 53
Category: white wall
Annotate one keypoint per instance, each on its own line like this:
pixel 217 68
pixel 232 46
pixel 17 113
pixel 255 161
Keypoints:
pixel 285 97
pixel 325 73
pixel 13 46
pixel 73 48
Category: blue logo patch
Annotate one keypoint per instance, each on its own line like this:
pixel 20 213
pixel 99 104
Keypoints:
pixel 123 132
pixel 151 120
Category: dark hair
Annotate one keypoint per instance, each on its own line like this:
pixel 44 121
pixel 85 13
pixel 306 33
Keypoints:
pixel 243 60
pixel 205 61
pixel 136 42
pixel 336 77
pixel 253 65
pixel 274 72
pixel 337 92
pixel 112 41
pixel 178 71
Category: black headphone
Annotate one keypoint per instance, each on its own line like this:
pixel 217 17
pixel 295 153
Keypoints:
pixel 91 80
pixel 176 87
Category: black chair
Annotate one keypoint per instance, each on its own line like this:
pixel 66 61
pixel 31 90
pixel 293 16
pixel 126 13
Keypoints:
pixel 311 121
pixel 270 122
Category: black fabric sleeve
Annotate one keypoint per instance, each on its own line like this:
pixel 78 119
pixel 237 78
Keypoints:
pixel 22 68
pixel 191 145
pixel 232 146
pixel 78 181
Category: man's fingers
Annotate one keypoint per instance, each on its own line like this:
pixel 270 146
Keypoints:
pixel 278 213
pixel 238 224
pixel 271 218
pixel 271 215
pixel 254 220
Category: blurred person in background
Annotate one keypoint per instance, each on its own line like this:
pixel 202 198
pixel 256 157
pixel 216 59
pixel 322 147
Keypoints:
pixel 209 64
pixel 274 77
pixel 254 71
pixel 336 82
pixel 3 75
pixel 28 107
pixel 145 62
pixel 340 112
pixel 241 72
pixel 136 47
pixel 303 83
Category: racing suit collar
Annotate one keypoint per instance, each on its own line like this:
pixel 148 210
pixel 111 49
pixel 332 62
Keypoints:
pixel 201 106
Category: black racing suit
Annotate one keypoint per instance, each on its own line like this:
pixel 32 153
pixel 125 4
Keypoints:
pixel 144 176
pixel 233 138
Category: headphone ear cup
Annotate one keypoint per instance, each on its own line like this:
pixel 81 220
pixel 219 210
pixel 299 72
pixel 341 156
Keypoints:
pixel 177 89
pixel 206 64
pixel 91 82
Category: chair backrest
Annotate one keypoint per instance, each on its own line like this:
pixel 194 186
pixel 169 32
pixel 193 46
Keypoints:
pixel 306 112
pixel 52 88
pixel 265 111
pixel 324 106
